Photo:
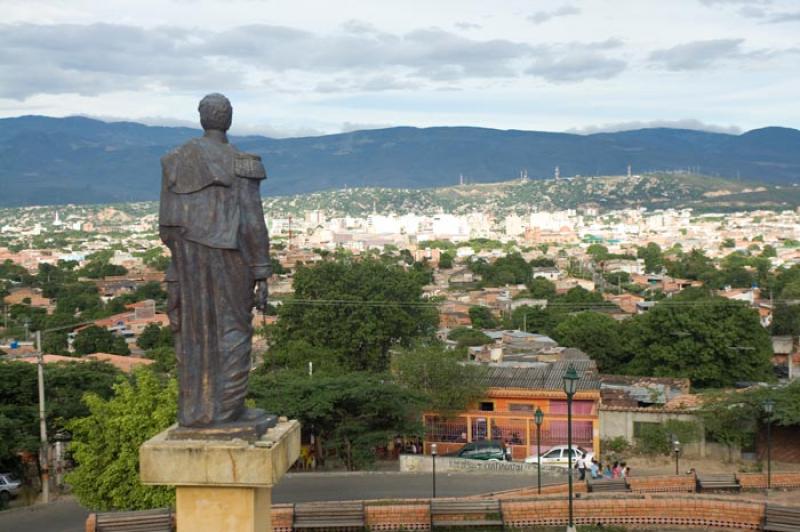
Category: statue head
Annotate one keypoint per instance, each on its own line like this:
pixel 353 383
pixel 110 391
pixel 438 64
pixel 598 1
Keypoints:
pixel 216 112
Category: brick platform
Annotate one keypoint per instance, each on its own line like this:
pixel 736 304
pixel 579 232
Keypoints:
pixel 701 512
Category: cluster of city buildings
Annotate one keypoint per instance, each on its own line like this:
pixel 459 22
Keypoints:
pixel 525 367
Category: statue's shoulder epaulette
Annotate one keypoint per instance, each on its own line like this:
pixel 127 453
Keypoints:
pixel 249 165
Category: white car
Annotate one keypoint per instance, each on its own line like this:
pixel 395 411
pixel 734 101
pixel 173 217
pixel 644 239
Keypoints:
pixel 9 488
pixel 557 456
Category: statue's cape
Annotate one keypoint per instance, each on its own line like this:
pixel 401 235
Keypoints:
pixel 201 191
pixel 201 163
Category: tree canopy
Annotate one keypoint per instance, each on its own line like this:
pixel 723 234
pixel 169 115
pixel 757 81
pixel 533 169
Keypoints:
pixel 714 342
pixel 65 384
pixel 482 318
pixel 106 443
pixel 357 309
pixel 94 339
pixel 598 335
pixel 349 413
pixel 446 383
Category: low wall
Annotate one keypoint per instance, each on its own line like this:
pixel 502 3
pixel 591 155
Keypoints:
pixel 759 480
pixel 700 512
pixel 420 463
pixel 646 510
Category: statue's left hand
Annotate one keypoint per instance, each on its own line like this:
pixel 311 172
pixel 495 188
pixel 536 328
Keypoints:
pixel 262 295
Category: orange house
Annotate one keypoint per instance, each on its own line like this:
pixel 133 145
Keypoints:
pixel 506 412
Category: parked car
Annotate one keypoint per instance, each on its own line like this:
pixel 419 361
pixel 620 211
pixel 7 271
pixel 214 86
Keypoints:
pixel 9 487
pixel 491 450
pixel 558 456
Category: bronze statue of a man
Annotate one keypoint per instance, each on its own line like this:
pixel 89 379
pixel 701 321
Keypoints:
pixel 212 221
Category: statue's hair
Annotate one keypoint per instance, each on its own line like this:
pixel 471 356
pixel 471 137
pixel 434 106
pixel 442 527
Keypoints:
pixel 216 112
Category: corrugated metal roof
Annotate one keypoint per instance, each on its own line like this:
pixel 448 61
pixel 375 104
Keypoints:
pixel 545 377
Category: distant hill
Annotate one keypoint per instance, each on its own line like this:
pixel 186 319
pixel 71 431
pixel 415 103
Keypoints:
pixel 79 160
pixel 659 190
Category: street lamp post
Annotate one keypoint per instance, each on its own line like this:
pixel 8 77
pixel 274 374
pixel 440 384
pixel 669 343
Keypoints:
pixel 769 405
pixel 570 387
pixel 433 455
pixel 676 448
pixel 538 417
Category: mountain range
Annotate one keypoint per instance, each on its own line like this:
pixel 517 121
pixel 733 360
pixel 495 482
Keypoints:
pixel 46 160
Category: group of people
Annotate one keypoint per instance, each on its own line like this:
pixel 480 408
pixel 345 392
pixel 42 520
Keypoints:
pixel 597 470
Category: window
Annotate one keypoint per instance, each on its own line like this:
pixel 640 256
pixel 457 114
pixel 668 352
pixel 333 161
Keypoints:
pixel 520 407
pixel 578 407
pixel 555 453
pixel 487 406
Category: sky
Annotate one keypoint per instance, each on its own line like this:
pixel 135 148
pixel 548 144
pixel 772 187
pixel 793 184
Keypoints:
pixel 301 67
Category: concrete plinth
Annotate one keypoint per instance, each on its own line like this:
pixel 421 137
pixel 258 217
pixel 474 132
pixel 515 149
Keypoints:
pixel 222 485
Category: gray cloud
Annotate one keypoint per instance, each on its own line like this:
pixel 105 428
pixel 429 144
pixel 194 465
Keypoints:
pixel 576 67
pixel 698 54
pixel 687 123
pixel 777 18
pixel 734 2
pixel 769 17
pixel 540 17
pixel 467 26
pixel 98 58
pixel 573 62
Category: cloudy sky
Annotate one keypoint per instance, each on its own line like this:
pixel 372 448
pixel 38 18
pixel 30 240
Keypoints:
pixel 294 67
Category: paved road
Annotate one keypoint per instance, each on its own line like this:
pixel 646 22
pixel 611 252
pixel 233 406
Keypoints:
pixel 67 516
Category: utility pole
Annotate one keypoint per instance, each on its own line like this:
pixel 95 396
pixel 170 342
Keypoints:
pixel 44 458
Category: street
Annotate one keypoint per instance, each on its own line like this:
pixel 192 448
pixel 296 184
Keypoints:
pixel 67 516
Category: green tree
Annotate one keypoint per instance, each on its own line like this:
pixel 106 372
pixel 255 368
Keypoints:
pixel 769 251
pixel 693 265
pixel 445 261
pixel 791 290
pixel 357 308
pixel 106 443
pixel 65 384
pixel 598 252
pixel 447 384
pixel 541 288
pixel 349 414
pixel 714 342
pixel 156 259
pixel 598 335
pixel 786 319
pixel 165 359
pixel 55 343
pixel 653 257
pixel 542 262
pixel 94 339
pixel 578 298
pixel 511 269
pixel 728 243
pixel 482 318
pixel 536 320
pixel 467 337
pixel 154 336
pixel 78 297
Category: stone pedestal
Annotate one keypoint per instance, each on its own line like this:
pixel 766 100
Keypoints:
pixel 222 485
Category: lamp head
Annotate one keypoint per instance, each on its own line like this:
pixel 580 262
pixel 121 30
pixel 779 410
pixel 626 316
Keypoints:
pixel 571 378
pixel 538 416
pixel 433 449
pixel 769 405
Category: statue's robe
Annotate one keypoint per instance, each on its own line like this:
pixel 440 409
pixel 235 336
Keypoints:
pixel 212 221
